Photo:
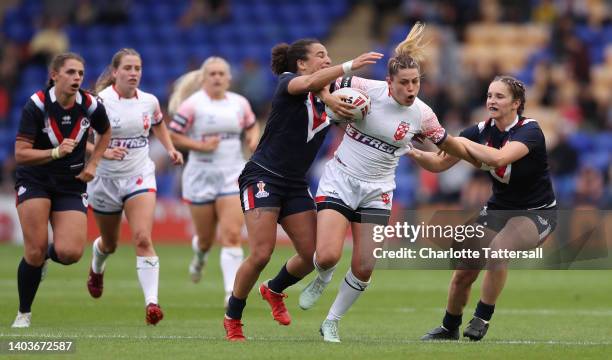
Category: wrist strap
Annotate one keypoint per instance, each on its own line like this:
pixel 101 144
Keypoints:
pixel 55 154
pixel 347 66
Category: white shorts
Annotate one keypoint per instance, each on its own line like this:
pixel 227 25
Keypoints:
pixel 107 195
pixel 203 183
pixel 358 200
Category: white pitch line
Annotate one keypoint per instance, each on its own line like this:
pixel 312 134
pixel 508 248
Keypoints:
pixel 285 339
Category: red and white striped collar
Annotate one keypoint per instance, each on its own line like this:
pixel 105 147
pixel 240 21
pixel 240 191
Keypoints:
pixel 53 98
pixel 121 97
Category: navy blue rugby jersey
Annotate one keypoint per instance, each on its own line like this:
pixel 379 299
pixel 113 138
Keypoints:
pixel 524 184
pixel 45 124
pixel 295 130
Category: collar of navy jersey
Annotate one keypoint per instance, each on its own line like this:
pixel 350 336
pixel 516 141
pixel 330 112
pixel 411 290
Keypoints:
pixel 53 98
pixel 52 94
pixel 516 120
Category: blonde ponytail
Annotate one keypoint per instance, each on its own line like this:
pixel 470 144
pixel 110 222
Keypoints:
pixel 183 88
pixel 412 46
pixel 410 52
pixel 104 80
pixel 191 82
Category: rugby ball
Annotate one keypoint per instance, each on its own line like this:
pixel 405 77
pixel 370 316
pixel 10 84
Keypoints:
pixel 353 96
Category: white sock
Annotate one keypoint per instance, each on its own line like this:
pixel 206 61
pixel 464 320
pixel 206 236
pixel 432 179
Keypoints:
pixel 231 258
pixel 350 290
pixel 325 275
pixel 202 255
pixel 147 268
pixel 98 260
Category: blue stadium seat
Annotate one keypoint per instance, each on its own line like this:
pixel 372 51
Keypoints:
pixel 167 33
pixel 595 39
pixel 138 13
pixel 290 13
pixel 140 33
pixel 229 51
pixel 95 35
pixel 596 159
pixel 161 12
pixel 16 27
pixel 564 187
pixel 241 14
pixel 405 194
pixel 336 8
pixel 603 141
pixel 34 75
pixel 76 34
pixel 582 142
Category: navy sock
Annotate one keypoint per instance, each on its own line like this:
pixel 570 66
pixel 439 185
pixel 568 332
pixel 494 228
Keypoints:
pixel 51 254
pixel 28 279
pixel 484 311
pixel 282 280
pixel 235 307
pixel 451 322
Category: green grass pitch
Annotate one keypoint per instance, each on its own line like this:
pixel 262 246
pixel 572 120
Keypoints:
pixel 541 314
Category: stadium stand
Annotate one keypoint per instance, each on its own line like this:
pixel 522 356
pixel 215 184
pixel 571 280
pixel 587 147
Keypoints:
pixel 564 54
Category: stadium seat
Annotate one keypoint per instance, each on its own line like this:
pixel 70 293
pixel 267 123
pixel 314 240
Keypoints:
pixel 603 142
pixel 582 142
pixel 17 29
pixel 34 75
pixel 596 159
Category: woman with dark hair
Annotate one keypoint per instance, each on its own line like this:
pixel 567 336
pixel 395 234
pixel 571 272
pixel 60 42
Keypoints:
pixel 126 176
pixel 273 183
pixel 52 173
pixel 357 185
pixel 520 214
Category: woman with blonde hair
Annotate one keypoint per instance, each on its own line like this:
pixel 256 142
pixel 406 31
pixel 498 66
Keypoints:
pixel 209 121
pixel 357 185
pixel 125 181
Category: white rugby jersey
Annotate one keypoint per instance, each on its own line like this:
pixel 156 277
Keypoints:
pixel 200 117
pixel 368 148
pixel 131 120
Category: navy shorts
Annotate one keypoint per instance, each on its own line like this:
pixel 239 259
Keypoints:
pixel 69 194
pixel 495 219
pixel 262 188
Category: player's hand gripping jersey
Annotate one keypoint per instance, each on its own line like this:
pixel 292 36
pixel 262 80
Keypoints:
pixel 131 120
pixel 369 148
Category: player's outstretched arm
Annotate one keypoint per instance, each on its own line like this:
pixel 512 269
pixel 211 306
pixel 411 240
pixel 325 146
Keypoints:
pixel 431 161
pixel 509 153
pixel 321 78
pixel 456 148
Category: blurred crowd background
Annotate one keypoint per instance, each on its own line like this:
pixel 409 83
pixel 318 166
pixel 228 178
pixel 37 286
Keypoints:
pixel 561 49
